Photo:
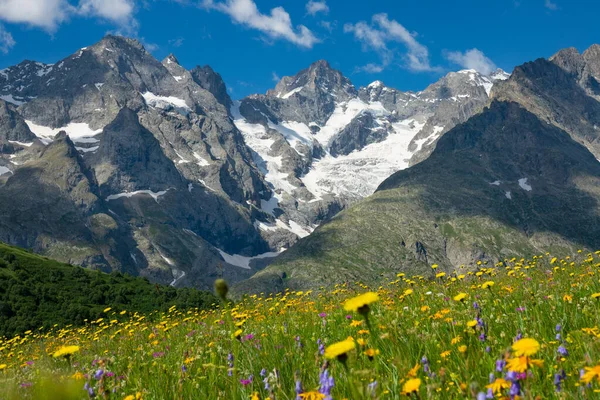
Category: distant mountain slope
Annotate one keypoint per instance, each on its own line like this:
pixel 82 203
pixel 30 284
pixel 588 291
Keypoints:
pixel 502 184
pixel 322 144
pixel 36 292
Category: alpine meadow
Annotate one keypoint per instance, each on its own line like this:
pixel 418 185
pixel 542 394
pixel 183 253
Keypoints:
pixel 308 200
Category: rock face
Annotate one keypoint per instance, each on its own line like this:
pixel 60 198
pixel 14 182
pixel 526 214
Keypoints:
pixel 519 178
pixel 322 145
pixel 114 160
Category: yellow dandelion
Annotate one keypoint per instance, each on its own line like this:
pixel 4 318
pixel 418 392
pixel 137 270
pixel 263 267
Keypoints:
pixel 525 347
pixel 445 354
pixel 411 386
pixel 65 351
pixel 462 348
pixel 339 350
pixel 312 395
pixel 413 371
pixel 522 364
pixel 596 295
pixel 361 302
pixel 107 309
pixel 499 385
pixel 590 374
pixel 3 367
pixel 78 376
pixel 472 323
pixel 460 297
pixel 487 285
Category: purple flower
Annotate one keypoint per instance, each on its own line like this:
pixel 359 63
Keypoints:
pixel 322 315
pixel 372 388
pixel 490 394
pixel 481 396
pixel 110 374
pixel 263 372
pixel 492 377
pixel 558 327
pixel 249 336
pixel 348 316
pixel 326 383
pixel 246 382
pixel 515 389
pixel 562 350
pixel 98 374
pixel 298 389
pixel 558 337
pixel 26 384
pixel 520 309
pixel 488 349
pixel 519 336
pixel 158 354
pixel 511 376
pixel 476 305
pixel 183 369
pixel 500 364
pixel 558 378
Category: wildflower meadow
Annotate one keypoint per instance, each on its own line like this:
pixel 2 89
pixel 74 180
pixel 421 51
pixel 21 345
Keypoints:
pixel 519 329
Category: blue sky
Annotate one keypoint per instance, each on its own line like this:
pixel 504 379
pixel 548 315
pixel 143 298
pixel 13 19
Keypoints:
pixel 408 44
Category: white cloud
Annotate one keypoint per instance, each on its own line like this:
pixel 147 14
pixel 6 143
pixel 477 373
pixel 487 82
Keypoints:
pixel 472 59
pixel 6 40
pixel 275 77
pixel 371 68
pixel 119 11
pixel 176 42
pixel 377 36
pixel 314 7
pixel 46 14
pixel 277 25
pixel 550 5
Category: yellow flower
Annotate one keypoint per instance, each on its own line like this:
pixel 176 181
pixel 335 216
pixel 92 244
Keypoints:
pixel 498 385
pixel 595 295
pixel 462 348
pixel 445 354
pixel 590 374
pixel 66 351
pixel 78 376
pixel 371 353
pixel 254 396
pixel 553 260
pixel 408 291
pixel 130 397
pixel 525 347
pixel 361 302
pixel 107 309
pixel 522 364
pixel 355 323
pixel 411 386
pixel 487 285
pixel 472 323
pixel 568 298
pixel 413 371
pixel 2 366
pixel 434 266
pixel 338 350
pixel 456 340
pixel 440 274
pixel 460 297
pixel 312 395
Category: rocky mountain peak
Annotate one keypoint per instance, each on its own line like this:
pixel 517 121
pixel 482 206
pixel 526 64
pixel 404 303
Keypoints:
pixel 212 81
pixel 170 59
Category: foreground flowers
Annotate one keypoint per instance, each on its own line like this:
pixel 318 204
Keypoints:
pixel 456 336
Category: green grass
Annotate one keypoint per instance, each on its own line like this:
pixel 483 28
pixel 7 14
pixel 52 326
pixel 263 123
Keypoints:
pixel 195 354
pixel 38 292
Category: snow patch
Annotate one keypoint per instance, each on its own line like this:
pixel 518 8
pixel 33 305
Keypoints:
pixel 165 102
pixel 10 99
pixel 496 183
pixel 177 78
pixel 87 149
pixel 524 185
pixel 4 170
pixel 508 195
pixel 291 92
pixel 203 162
pixel 243 261
pixel 155 195
pixel 78 132
pixel 20 143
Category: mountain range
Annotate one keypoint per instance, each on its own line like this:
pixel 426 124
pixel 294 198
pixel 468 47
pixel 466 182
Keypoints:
pixel 113 160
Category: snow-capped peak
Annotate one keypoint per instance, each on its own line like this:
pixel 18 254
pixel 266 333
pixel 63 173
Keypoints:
pixel 375 84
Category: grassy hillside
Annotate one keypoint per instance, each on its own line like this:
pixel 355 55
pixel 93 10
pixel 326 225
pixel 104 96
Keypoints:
pixel 458 335
pixel 37 292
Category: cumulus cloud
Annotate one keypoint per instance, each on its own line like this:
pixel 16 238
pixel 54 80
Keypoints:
pixel 315 7
pixel 276 25
pixel 381 32
pixel 472 59
pixel 119 11
pixel 6 40
pixel 45 14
